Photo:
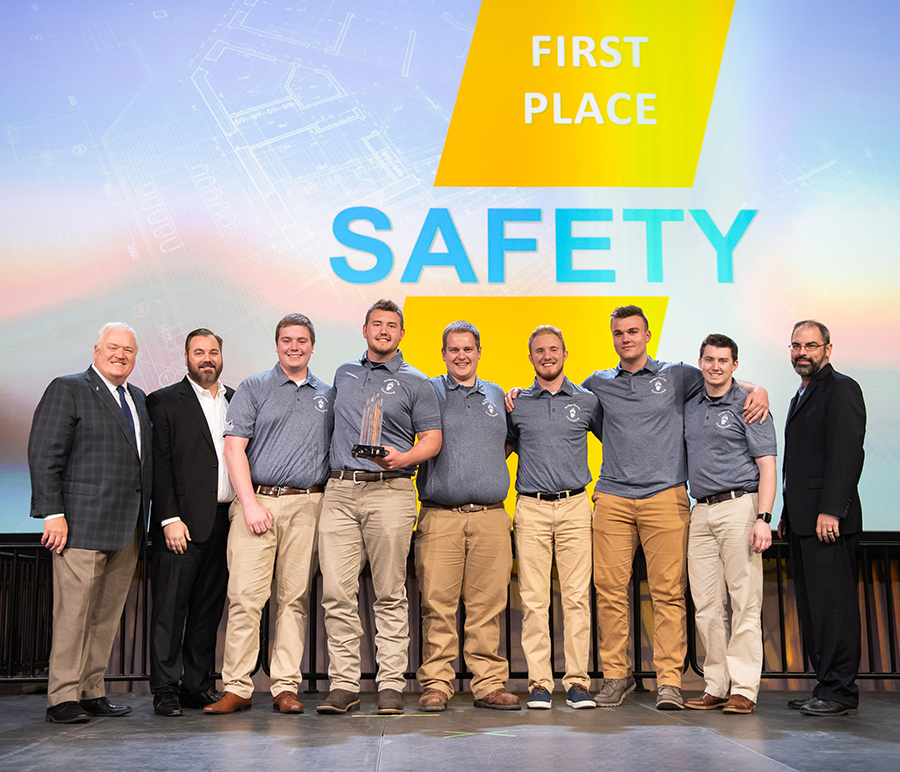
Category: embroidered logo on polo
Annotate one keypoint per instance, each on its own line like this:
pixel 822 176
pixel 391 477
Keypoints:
pixel 390 386
pixel 573 412
pixel 489 408
pixel 658 385
pixel 320 403
pixel 725 419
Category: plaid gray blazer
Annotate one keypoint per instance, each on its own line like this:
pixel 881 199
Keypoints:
pixel 84 462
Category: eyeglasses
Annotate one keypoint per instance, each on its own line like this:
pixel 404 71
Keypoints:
pixel 811 347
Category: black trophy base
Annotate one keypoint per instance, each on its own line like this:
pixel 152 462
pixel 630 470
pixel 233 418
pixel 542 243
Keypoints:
pixel 368 451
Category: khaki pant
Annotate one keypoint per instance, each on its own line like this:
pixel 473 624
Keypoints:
pixel 542 528
pixel 720 558
pixel 89 592
pixel 363 520
pixel 659 523
pixel 288 549
pixel 468 555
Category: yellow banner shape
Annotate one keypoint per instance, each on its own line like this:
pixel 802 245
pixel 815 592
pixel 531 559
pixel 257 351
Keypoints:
pixel 578 94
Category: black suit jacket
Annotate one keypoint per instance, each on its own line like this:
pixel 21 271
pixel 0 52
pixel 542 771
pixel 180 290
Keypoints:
pixel 823 453
pixel 185 466
pixel 84 462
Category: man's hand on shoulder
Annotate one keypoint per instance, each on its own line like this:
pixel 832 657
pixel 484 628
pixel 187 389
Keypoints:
pixel 177 536
pixel 56 533
pixel 756 406
pixel 257 517
pixel 510 397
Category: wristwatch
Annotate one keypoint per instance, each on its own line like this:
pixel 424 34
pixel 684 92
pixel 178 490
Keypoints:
pixel 765 516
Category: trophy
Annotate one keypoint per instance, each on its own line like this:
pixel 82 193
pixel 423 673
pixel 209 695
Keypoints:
pixel 370 433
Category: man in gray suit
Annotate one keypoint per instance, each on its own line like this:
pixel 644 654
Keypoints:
pixel 90 458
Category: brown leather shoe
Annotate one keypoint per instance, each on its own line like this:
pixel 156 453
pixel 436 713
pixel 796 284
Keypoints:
pixel 339 701
pixel 287 702
pixel 737 703
pixel 229 703
pixel 433 701
pixel 499 699
pixel 390 702
pixel 706 702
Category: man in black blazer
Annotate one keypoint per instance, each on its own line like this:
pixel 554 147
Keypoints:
pixel 822 517
pixel 188 528
pixel 90 459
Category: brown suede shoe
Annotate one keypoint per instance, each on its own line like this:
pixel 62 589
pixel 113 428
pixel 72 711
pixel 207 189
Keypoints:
pixel 339 701
pixel 499 699
pixel 706 702
pixel 287 702
pixel 229 703
pixel 390 702
pixel 433 701
pixel 737 703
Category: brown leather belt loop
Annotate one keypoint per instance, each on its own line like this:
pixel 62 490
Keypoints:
pixel 265 490
pixel 426 504
pixel 718 498
pixel 358 476
pixel 558 496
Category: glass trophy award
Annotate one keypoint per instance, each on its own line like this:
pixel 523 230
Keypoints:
pixel 370 432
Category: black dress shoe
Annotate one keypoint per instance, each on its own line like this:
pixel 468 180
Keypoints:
pixel 199 700
pixel 167 704
pixel 800 704
pixel 826 708
pixel 100 706
pixel 67 713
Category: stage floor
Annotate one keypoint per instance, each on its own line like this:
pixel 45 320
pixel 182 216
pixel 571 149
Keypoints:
pixel 634 736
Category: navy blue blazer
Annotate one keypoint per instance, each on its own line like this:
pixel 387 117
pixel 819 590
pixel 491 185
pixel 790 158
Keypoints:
pixel 83 460
pixel 823 453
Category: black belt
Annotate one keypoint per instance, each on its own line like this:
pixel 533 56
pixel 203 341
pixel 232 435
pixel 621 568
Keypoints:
pixel 553 496
pixel 265 490
pixel 359 476
pixel 718 498
pixel 462 507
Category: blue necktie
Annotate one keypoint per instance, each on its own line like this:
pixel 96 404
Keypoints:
pixel 126 410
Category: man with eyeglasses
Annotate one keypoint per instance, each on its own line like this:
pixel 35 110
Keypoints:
pixel 822 517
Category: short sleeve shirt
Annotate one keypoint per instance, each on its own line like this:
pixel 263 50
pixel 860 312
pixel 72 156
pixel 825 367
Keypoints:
pixel 289 428
pixel 721 446
pixel 471 466
pixel 643 426
pixel 408 401
pixel 550 432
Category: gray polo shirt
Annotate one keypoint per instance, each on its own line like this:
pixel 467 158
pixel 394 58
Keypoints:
pixel 471 467
pixel 289 428
pixel 721 446
pixel 550 432
pixel 409 403
pixel 643 427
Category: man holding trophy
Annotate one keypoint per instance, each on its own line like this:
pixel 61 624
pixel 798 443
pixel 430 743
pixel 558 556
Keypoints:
pixel 382 407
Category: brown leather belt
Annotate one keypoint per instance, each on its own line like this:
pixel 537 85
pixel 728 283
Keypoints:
pixel 426 504
pixel 358 476
pixel 718 498
pixel 265 490
pixel 559 495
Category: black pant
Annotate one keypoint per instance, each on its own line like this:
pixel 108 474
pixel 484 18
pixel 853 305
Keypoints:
pixel 188 593
pixel 826 586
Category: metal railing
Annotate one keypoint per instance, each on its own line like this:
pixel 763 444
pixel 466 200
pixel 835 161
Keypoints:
pixel 26 613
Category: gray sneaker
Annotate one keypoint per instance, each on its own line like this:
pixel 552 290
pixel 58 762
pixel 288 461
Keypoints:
pixel 669 698
pixel 613 691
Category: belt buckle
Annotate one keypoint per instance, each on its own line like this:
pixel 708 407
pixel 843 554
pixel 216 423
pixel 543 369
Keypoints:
pixel 276 491
pixel 356 472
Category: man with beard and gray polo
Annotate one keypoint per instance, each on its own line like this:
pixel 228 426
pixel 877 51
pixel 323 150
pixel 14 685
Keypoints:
pixel 463 547
pixel 370 510
pixel 548 429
